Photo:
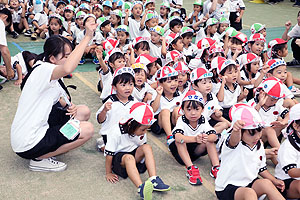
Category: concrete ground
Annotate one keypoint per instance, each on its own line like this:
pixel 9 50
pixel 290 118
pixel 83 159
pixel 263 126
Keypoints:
pixel 85 175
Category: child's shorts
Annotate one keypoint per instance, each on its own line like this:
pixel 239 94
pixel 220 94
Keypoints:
pixel 229 191
pixel 287 183
pixel 226 113
pixel 120 170
pixel 156 129
pixel 53 138
pixel 191 147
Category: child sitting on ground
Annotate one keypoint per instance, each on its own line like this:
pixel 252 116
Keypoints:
pixel 243 150
pixel 197 13
pixel 127 153
pixel 193 137
pixel 189 48
pixel 164 14
pixel 133 22
pixel 123 37
pixel 117 105
pixel 156 43
pixel 184 83
pixel 288 166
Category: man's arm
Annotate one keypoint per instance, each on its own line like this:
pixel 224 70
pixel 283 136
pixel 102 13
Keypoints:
pixel 7 61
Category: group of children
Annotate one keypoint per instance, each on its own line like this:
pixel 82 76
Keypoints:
pixel 225 94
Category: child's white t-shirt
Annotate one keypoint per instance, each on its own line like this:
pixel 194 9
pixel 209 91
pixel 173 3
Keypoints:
pixel 200 16
pixel 288 158
pixel 155 51
pixel 245 77
pixel 16 15
pixel 117 112
pixel 168 104
pixel 3 40
pixel 230 97
pixel 236 5
pixel 240 164
pixel 41 18
pixel 75 31
pixel 295 32
pixel 140 94
pixel 222 10
pixel 134 28
pixel 95 40
pixel 162 20
pixel 184 127
pixel 191 50
pixel 210 106
pixel 120 141
pixel 107 80
pixel 196 63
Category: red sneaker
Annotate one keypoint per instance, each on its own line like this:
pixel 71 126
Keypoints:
pixel 214 171
pixel 193 175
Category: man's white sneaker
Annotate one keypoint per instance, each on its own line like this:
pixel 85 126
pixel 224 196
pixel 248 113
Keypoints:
pixel 47 165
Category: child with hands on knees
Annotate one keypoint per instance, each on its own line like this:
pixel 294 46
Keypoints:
pixel 212 111
pixel 128 155
pixel 193 137
pixel 288 167
pixel 243 150
pixel 271 110
pixel 116 105
pixel 166 104
pixel 230 91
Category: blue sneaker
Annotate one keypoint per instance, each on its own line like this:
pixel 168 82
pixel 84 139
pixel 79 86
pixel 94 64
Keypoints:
pixel 82 61
pixel 159 185
pixel 96 61
pixel 145 190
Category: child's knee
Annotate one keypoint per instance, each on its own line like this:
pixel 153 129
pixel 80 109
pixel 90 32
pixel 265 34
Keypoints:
pixel 87 130
pixel 147 147
pixel 85 112
pixel 128 158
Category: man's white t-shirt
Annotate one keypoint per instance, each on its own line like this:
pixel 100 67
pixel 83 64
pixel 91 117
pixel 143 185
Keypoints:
pixel 2 34
pixel 35 104
pixel 295 32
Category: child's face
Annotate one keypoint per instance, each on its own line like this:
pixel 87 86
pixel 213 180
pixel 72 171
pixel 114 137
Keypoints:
pixel 141 130
pixel 69 14
pixel 97 12
pixel 296 126
pixel 187 40
pixel 170 86
pixel 152 22
pixel 192 114
pixel 140 78
pixel 142 51
pixel 85 11
pixel 222 27
pixel 280 72
pixel 93 2
pixel 257 47
pixel 153 69
pixel 284 52
pixel 155 37
pixel 121 36
pixel 178 46
pixel 254 67
pixel 73 3
pixel 212 29
pixel 124 90
pixel 163 11
pixel 106 28
pixel 54 25
pixel 176 29
pixel 197 8
pixel 203 86
pixel 106 10
pixel 118 63
pixel 251 140
pixel 61 9
pixel 270 101
pixel 233 47
pixel 137 10
pixel 231 74
pixel 79 21
pixel 14 3
pixel 55 2
pixel 182 78
pixel 113 19
pixel 151 6
pixel 263 32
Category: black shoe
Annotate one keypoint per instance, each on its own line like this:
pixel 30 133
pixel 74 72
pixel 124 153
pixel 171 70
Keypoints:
pixel 1 87
pixel 293 62
pixel 14 34
pixel 296 5
pixel 28 33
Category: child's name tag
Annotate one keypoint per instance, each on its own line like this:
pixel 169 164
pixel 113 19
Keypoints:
pixel 71 129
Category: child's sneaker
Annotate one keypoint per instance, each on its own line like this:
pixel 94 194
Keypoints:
pixel 214 171
pixel 2 79
pixel 68 76
pixel 145 190
pixel 14 35
pixel 47 165
pixel 170 139
pixel 82 61
pixel 159 185
pixel 28 33
pixel 96 61
pixel 34 36
pixel 100 144
pixel 193 175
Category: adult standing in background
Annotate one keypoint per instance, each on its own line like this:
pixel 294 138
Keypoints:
pixel 5 21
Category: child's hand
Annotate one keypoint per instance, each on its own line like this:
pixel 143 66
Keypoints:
pixel 204 138
pixel 218 113
pixel 265 69
pixel 90 28
pixel 72 110
pixel 262 98
pixel 278 124
pixel 18 82
pixel 272 152
pixel 238 51
pixel 130 49
pixel 107 106
pixel 297 42
pixel 159 90
pixel 238 125
pixel 126 12
pixel 238 19
pixel 245 92
pixel 288 25
pixel 204 19
pixel 279 184
pixel 99 51
pixel 195 14
pixel 69 23
pixel 252 81
pixel 113 178
pixel 224 79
